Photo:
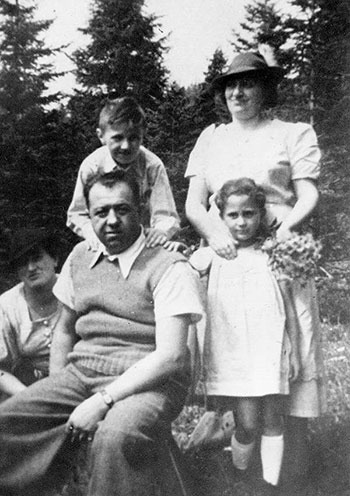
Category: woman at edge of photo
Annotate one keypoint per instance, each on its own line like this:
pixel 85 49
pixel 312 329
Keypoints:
pixel 283 158
pixel 29 311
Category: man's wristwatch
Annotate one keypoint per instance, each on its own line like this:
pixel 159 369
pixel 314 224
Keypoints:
pixel 107 398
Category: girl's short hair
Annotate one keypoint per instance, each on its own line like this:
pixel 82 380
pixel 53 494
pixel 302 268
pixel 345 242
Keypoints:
pixel 241 187
pixel 245 187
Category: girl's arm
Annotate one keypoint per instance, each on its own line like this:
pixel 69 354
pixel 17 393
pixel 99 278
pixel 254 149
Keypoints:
pixel 292 328
pixel 307 199
pixel 215 233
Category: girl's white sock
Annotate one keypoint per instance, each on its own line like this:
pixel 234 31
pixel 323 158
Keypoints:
pixel 241 453
pixel 271 451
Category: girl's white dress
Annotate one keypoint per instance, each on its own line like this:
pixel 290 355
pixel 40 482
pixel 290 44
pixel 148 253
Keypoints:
pixel 246 352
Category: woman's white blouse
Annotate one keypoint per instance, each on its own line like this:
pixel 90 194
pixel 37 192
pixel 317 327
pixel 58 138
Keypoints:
pixel 273 155
pixel 20 337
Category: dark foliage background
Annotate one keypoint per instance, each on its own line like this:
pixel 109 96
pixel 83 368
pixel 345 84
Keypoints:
pixel 43 139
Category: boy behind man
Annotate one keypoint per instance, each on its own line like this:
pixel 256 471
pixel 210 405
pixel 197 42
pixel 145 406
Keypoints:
pixel 121 130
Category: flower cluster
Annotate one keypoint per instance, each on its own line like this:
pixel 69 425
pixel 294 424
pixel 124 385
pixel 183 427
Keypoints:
pixel 295 258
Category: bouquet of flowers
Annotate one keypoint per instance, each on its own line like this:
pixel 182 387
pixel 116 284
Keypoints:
pixel 294 258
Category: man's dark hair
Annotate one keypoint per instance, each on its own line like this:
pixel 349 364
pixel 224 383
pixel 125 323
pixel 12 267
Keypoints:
pixel 110 179
pixel 121 110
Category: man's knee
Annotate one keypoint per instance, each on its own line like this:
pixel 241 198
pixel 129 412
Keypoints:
pixel 138 446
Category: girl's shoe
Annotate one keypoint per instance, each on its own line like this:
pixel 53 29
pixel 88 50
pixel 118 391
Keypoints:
pixel 266 489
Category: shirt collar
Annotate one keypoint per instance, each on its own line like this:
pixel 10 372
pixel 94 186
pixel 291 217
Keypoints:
pixel 125 259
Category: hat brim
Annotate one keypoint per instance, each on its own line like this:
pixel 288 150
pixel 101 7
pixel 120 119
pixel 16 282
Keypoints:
pixel 275 74
pixel 26 241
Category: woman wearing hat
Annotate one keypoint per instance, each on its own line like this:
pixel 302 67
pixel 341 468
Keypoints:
pixel 283 158
pixel 29 311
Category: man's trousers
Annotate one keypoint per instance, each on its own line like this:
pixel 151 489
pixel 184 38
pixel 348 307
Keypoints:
pixel 36 450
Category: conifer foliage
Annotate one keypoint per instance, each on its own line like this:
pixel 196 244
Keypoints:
pixel 125 52
pixel 24 77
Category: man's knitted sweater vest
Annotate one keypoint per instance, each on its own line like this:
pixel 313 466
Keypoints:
pixel 116 321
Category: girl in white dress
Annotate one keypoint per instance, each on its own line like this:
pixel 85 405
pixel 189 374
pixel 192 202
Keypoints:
pixel 251 350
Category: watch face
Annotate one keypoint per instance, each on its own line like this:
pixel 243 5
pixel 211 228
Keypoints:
pixel 107 398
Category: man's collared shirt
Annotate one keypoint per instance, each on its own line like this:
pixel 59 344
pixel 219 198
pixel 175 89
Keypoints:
pixel 126 258
pixel 177 292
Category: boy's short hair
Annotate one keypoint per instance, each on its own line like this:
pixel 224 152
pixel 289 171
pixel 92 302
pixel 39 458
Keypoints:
pixel 124 109
pixel 110 179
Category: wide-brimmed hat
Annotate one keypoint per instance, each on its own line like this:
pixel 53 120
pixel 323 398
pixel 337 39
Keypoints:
pixel 250 63
pixel 24 240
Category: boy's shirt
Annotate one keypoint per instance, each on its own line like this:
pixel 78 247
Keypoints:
pixel 158 205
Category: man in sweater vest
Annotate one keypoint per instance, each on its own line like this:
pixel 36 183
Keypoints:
pixel 119 368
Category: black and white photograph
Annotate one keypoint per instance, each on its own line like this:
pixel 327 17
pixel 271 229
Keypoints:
pixel 175 248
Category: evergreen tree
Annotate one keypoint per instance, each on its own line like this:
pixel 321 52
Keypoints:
pixel 24 77
pixel 205 109
pixel 264 23
pixel 123 55
pixel 216 66
pixel 321 35
pixel 170 136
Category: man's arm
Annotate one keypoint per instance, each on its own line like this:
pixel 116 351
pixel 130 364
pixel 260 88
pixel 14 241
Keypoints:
pixel 170 356
pixel 63 340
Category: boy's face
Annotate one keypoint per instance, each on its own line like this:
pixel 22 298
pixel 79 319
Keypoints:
pixel 123 141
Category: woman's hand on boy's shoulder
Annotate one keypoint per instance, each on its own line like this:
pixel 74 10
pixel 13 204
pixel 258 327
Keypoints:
pixel 155 237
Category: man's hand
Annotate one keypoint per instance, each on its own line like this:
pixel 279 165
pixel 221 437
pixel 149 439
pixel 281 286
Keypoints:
pixel 83 421
pixel 93 242
pixel 155 237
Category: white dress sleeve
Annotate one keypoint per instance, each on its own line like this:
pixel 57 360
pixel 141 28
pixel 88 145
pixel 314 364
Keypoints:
pixel 201 259
pixel 197 160
pixel 303 151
